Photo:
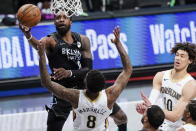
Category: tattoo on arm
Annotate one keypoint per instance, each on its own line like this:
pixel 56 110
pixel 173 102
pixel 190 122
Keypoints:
pixel 86 53
pixel 86 60
pixel 124 76
pixel 70 95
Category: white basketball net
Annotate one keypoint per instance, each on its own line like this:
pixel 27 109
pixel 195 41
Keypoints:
pixel 69 7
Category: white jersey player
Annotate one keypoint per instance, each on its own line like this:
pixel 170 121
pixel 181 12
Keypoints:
pixel 189 117
pixel 94 104
pixel 90 115
pixel 171 92
pixel 175 87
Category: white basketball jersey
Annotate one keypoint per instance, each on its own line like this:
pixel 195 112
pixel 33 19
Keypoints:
pixel 91 115
pixel 171 92
pixel 189 127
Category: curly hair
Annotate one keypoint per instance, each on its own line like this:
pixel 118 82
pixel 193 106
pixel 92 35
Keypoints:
pixel 192 109
pixel 155 115
pixel 95 81
pixel 190 48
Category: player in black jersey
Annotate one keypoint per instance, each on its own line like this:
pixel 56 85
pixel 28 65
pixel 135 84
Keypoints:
pixel 70 58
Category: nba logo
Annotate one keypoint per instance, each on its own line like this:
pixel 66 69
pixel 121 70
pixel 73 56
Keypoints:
pixel 78 44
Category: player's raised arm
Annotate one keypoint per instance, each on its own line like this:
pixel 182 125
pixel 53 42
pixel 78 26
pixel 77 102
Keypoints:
pixel 29 15
pixel 86 61
pixel 27 32
pixel 71 95
pixel 32 40
pixel 114 91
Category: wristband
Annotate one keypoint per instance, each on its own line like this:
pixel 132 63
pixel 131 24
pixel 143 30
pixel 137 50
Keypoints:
pixel 70 73
pixel 154 95
pixel 30 38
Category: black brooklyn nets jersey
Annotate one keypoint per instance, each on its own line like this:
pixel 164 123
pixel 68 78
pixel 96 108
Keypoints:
pixel 67 56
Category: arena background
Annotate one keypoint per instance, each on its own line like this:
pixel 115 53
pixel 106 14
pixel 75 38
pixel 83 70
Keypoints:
pixel 147 34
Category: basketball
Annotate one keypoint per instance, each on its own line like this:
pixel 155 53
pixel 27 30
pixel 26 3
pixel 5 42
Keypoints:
pixel 29 15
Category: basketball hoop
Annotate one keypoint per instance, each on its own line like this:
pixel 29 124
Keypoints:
pixel 69 7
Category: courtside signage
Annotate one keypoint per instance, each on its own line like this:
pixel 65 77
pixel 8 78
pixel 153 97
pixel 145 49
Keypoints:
pixel 147 40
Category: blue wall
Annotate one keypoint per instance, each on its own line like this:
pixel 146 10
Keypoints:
pixel 147 39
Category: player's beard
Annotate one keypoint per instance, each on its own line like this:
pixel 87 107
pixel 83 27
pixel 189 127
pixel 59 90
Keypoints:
pixel 63 31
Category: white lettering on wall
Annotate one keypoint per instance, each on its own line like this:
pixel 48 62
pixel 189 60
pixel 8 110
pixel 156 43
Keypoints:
pixel 157 36
pixel 113 53
pixel 185 33
pixel 36 57
pixel 6 52
pixel 16 52
pixel 169 35
pixel 29 61
pixel 103 45
pixel 92 35
pixel 177 32
pixel 164 39
pixel 123 38
pixel 193 31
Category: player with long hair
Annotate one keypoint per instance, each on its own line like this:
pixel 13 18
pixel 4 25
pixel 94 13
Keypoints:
pixel 175 86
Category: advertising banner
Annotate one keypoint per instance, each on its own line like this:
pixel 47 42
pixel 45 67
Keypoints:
pixel 147 39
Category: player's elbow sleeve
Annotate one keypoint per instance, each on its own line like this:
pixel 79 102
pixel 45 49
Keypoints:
pixel 154 95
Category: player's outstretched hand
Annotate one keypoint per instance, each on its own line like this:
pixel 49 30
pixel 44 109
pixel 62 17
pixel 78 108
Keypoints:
pixel 116 33
pixel 145 99
pixel 61 73
pixel 24 29
pixel 140 108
